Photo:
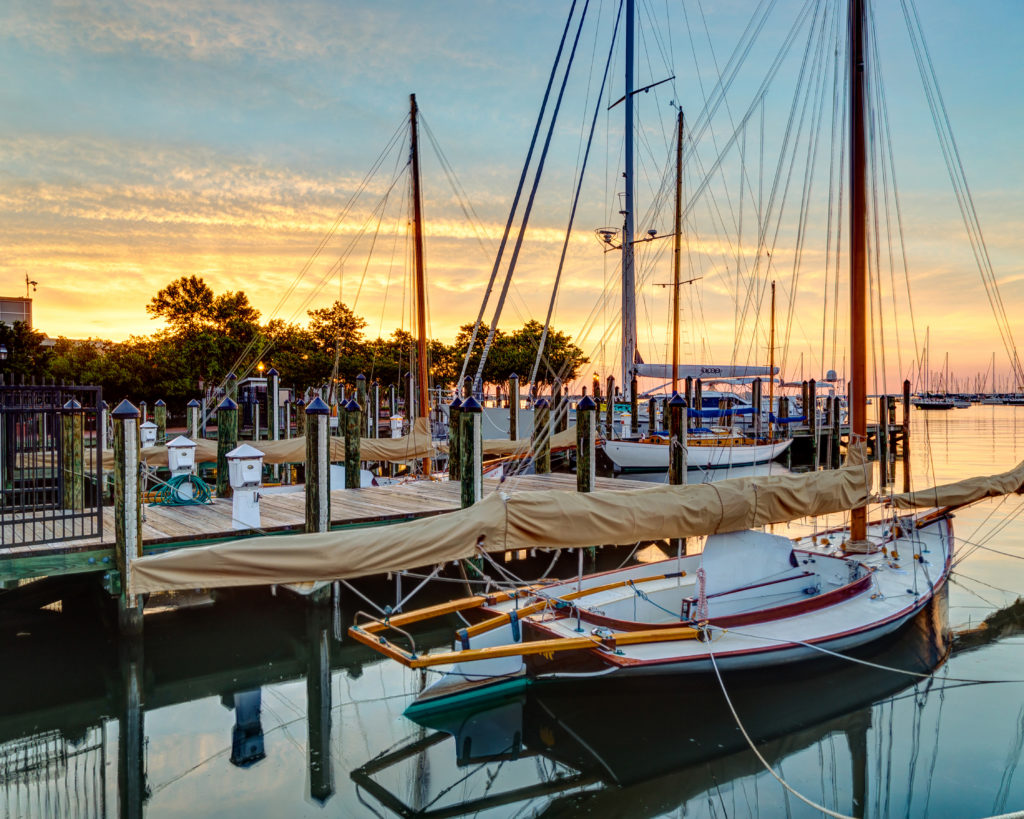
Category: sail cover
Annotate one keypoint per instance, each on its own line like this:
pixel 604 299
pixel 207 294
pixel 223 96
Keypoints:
pixel 964 492
pixel 501 521
pixel 704 371
pixel 499 447
pixel 414 446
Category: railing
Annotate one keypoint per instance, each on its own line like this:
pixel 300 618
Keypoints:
pixel 51 464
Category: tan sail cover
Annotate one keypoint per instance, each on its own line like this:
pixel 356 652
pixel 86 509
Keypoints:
pixel 412 447
pixel 966 491
pixel 499 447
pixel 545 519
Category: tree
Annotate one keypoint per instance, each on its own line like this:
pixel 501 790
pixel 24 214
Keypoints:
pixel 26 355
pixel 186 304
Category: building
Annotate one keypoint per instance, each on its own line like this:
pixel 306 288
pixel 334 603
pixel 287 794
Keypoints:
pixel 15 308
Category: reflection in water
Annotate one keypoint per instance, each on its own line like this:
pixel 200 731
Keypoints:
pixel 646 746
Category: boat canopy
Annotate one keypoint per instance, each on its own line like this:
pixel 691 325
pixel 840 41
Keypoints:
pixel 703 371
pixel 964 492
pixel 412 447
pixel 502 521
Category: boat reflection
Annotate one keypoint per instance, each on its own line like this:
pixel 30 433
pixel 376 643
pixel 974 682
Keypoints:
pixel 641 747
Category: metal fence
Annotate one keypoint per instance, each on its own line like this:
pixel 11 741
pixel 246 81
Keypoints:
pixel 51 464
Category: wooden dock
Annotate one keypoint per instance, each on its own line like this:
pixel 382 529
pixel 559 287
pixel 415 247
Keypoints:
pixel 170 527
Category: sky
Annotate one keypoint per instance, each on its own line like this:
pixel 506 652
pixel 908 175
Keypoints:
pixel 142 141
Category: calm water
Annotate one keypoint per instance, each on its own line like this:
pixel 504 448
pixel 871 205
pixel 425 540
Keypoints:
pixel 250 707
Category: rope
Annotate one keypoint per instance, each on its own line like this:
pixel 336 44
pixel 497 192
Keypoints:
pixel 702 596
pixel 170 491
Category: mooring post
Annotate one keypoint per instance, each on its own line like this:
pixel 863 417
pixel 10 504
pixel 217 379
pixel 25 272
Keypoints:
pixel 541 443
pixel 353 431
pixel 227 439
pixel 361 394
pixel 318 466
pixel 453 439
pixel 467 387
pixel 256 421
pixel 883 440
pixel 231 387
pixel 559 408
pixel 677 413
pixel 375 410
pixel 72 433
pixel 470 451
pixel 513 407
pixel 127 511
pixel 160 418
pixel 811 411
pixel 586 435
pixel 132 790
pixel 652 415
pixel 286 419
pixel 300 418
pixel 755 400
pixel 192 410
pixel 689 401
pixel 273 412
pixel 319 704
pixel 804 398
pixel 144 412
pixel 906 436
pixel 783 413
pixel 698 402
pixel 634 407
pixel 837 430
pixel 609 407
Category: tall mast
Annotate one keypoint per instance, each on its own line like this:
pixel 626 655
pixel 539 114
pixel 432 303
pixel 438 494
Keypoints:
pixel 628 278
pixel 423 406
pixel 858 253
pixel 771 367
pixel 677 254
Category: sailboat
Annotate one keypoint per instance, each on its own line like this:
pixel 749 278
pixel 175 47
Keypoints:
pixel 705 448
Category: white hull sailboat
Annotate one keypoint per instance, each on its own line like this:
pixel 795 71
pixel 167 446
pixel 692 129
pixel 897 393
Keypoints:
pixel 703 452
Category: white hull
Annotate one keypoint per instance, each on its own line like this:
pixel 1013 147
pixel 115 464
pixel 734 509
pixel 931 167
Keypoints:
pixel 635 456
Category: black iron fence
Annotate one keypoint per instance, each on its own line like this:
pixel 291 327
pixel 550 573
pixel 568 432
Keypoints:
pixel 51 464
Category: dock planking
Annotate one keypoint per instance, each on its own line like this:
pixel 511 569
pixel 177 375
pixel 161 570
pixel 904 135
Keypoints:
pixel 170 527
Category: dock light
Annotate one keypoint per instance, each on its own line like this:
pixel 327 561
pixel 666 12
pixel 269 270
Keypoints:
pixel 3 352
pixel 260 367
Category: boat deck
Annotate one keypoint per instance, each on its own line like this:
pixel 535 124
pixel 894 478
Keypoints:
pixel 167 527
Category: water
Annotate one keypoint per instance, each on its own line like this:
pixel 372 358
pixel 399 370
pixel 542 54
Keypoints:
pixel 250 707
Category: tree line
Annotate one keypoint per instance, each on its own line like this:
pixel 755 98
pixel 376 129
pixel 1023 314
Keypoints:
pixel 207 335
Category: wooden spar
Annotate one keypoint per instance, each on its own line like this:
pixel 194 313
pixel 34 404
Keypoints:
pixel 423 408
pixel 858 253
pixel 676 255
pixel 558 644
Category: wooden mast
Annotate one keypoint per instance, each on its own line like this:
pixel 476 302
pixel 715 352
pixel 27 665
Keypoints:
pixel 422 404
pixel 677 255
pixel 858 255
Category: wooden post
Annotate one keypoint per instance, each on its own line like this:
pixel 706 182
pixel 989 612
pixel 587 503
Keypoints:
pixel 837 428
pixel 160 419
pixel 811 411
pixel 300 418
pixel 783 413
pixel 586 436
pixel 755 400
pixel 513 407
pixel 231 388
pixel 361 393
pixel 634 407
pixel 906 436
pixel 804 397
pixel 353 431
pixel 144 412
pixel 256 421
pixel 286 419
pixel 652 415
pixel 559 408
pixel 375 410
pixel 318 466
pixel 689 401
pixel 192 419
pixel 319 704
pixel 609 408
pixel 882 435
pixel 698 402
pixel 541 443
pixel 72 429
pixel 227 439
pixel 467 387
pixel 470 445
pixel 273 405
pixel 127 510
pixel 677 412
pixel 453 439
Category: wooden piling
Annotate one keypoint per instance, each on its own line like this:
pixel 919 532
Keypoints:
pixel 230 388
pixel 467 387
pixel 811 411
pixel 160 419
pixel 453 439
pixel 837 426
pixel 227 439
pixel 375 410
pixel 72 434
pixel 361 400
pixel 353 431
pixel 318 466
pixel 906 436
pixel 634 407
pixel 470 451
pixel 609 411
pixel 256 421
pixel 698 402
pixel 273 405
pixel 559 408
pixel 541 440
pixel 300 418
pixel 755 400
pixel 513 407
pixel 677 412
pixel 652 415
pixel 127 510
pixel 192 419
pixel 144 412
pixel 286 419
pixel 586 436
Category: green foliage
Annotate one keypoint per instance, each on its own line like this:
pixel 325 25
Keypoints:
pixel 207 335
